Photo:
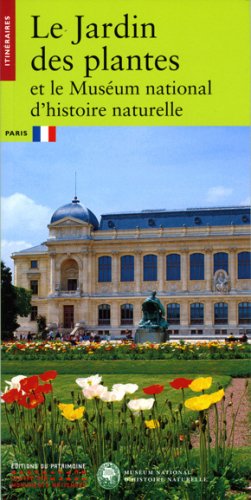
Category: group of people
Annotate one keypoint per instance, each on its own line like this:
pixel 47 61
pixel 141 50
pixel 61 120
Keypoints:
pixel 55 335
pixel 77 337
pixel 95 337
pixel 243 338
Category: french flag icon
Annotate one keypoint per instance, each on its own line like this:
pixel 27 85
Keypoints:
pixel 43 134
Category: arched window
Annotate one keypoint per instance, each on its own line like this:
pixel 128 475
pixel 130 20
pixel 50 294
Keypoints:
pixel 220 313
pixel 244 313
pixel 104 314
pixel 105 269
pixel 126 314
pixel 196 314
pixel 173 314
pixel 127 268
pixel 69 275
pixel 197 266
pixel 173 267
pixel 221 261
pixel 150 268
pixel 244 265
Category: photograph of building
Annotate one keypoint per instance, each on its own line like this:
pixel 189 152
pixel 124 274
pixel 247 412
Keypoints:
pixel 99 272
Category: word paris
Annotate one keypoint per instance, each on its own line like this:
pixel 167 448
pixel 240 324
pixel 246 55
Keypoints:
pixel 128 28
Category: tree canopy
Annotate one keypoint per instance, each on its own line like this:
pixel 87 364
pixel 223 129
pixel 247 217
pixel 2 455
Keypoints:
pixel 15 301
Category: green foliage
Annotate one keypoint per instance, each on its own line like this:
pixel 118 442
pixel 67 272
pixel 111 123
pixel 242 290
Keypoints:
pixel 217 488
pixel 23 301
pixel 125 491
pixel 14 301
pixel 125 351
pixel 238 474
pixel 66 383
pixel 8 303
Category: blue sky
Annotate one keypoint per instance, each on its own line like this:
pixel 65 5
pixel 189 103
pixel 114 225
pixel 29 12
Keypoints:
pixel 120 169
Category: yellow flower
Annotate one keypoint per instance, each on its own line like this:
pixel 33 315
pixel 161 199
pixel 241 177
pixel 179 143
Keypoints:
pixel 200 384
pixel 205 401
pixel 63 406
pixel 217 396
pixel 69 413
pixel 198 403
pixel 152 424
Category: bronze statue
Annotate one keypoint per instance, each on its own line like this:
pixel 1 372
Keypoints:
pixel 153 313
pixel 153 326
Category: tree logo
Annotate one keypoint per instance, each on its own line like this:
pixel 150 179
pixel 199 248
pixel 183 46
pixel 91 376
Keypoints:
pixel 108 476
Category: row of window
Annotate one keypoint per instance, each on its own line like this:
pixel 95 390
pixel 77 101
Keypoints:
pixel 172 313
pixel 173 266
pixel 150 268
pixel 197 313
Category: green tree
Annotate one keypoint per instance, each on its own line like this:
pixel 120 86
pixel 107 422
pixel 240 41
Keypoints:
pixel 23 301
pixel 15 301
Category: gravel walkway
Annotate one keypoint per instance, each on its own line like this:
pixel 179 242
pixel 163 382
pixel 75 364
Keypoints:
pixel 242 435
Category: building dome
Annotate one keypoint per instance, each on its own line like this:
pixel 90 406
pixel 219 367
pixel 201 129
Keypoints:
pixel 77 211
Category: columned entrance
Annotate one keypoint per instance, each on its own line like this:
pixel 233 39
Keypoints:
pixel 68 316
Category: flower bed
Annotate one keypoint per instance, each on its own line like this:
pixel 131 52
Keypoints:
pixel 103 425
pixel 125 350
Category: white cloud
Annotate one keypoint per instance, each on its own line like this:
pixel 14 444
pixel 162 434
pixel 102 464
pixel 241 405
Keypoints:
pixel 20 211
pixel 218 193
pixel 8 247
pixel 24 224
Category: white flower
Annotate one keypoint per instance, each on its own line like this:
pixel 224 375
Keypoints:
pixel 128 388
pixel 136 405
pixel 14 383
pixel 112 396
pixel 94 391
pixel 89 381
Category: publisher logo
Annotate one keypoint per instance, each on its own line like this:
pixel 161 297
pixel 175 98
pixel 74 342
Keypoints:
pixel 108 476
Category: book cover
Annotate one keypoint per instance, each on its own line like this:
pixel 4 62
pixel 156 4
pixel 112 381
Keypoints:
pixel 126 312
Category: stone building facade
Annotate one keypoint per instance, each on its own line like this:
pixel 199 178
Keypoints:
pixel 99 273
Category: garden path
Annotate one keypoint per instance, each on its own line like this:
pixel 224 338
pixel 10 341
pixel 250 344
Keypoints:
pixel 242 434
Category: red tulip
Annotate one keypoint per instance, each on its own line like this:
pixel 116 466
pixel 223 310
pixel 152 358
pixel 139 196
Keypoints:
pixel 29 383
pixel 31 400
pixel 44 389
pixel 11 396
pixel 180 383
pixel 153 389
pixel 50 375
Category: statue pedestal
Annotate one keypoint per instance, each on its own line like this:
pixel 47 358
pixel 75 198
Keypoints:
pixel 153 335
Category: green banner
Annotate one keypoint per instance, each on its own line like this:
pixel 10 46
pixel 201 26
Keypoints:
pixel 139 62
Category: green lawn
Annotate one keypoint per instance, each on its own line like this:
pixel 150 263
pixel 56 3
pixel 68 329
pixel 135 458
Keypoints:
pixel 64 384
pixel 231 367
pixel 143 373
